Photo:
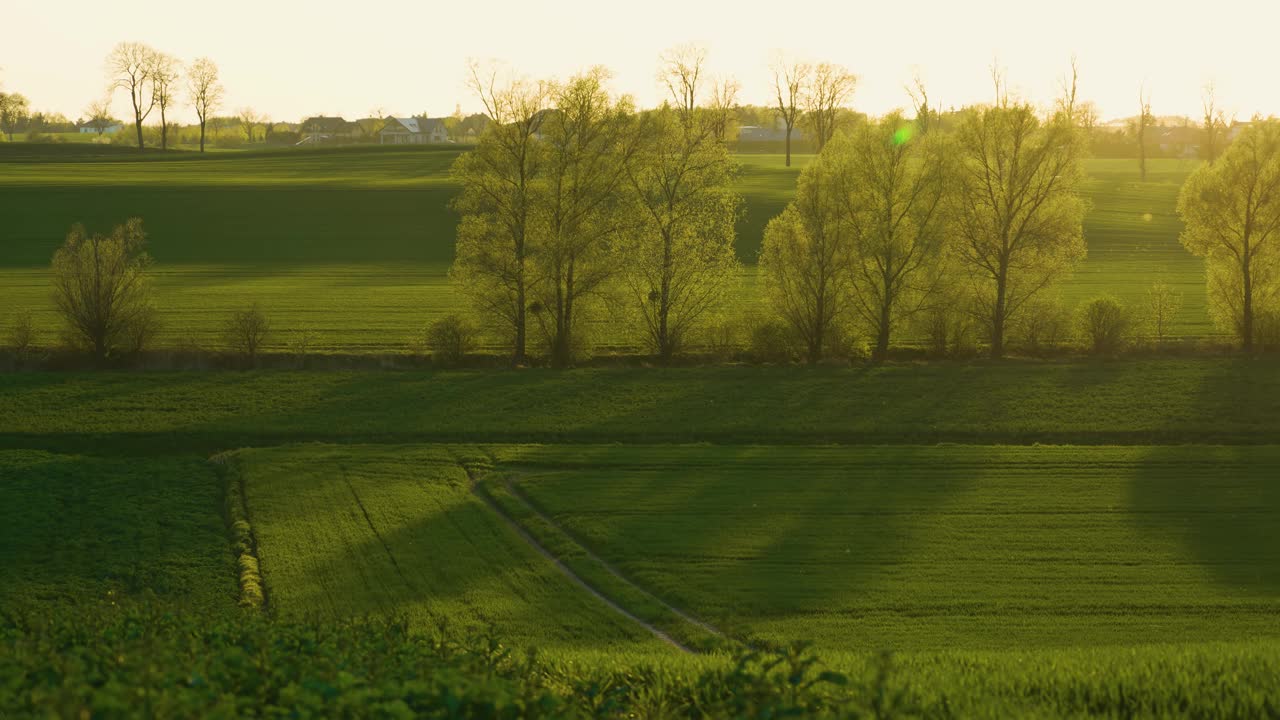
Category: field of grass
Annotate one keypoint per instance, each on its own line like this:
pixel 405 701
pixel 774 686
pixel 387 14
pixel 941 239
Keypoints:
pixel 91 529
pixel 1136 576
pixel 354 244
pixel 922 548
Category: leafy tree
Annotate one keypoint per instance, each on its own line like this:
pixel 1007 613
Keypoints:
pixel 589 141
pixel 1105 323
pixel 802 260
pixel 1232 213
pixel 102 288
pixel 499 177
pixel 1016 208
pixel 205 90
pixel 678 251
pixel 890 189
pixel 14 110
pixel 722 107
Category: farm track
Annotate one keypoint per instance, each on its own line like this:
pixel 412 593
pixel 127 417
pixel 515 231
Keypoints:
pixel 566 571
pixel 516 492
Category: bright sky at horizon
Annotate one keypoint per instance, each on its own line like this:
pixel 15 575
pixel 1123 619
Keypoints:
pixel 410 57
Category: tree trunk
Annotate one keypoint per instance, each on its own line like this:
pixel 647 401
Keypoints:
pixel 997 320
pixel 164 131
pixel 665 351
pixel 202 122
pixel 788 145
pixel 882 335
pixel 138 125
pixel 1246 320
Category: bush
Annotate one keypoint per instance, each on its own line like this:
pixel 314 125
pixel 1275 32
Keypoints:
pixel 1106 325
pixel 1043 324
pixel 22 336
pixel 773 342
pixel 246 331
pixel 949 330
pixel 450 339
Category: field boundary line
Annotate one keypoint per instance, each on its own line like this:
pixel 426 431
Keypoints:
pixel 244 541
pixel 550 557
pixel 701 624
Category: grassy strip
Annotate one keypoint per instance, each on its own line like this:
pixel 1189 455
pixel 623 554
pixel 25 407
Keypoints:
pixel 593 572
pixel 243 543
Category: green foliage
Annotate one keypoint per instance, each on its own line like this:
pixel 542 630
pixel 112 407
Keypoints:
pixel 1232 213
pixel 1106 325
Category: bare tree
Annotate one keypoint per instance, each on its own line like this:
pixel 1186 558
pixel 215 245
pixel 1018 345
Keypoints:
pixel 99 112
pixel 830 86
pixel 1141 123
pixel 1163 305
pixel 681 71
pixel 131 67
pixel 205 91
pixel 1214 121
pixel 790 83
pixel 1066 101
pixel 166 72
pixel 926 116
pixel 724 100
pixel 101 287
pixel 499 178
pixel 246 331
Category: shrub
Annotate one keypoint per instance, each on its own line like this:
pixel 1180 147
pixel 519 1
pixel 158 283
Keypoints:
pixel 450 339
pixel 300 344
pixel 1043 324
pixel 102 289
pixel 1105 324
pixel 22 336
pixel 246 331
pixel 773 342
pixel 141 331
pixel 949 330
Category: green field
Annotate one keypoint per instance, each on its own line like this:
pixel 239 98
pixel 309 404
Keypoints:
pixel 1130 574
pixel 354 244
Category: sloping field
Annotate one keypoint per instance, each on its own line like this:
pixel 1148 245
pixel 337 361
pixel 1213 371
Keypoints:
pixel 353 531
pixel 934 548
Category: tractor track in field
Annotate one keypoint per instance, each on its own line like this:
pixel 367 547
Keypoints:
pixel 573 577
pixel 701 624
pixel 374 529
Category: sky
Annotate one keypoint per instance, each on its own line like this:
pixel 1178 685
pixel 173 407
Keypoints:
pixel 292 60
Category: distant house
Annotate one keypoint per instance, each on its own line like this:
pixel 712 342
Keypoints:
pixel 413 131
pixel 1237 127
pixel 1179 141
pixel 328 129
pixel 99 126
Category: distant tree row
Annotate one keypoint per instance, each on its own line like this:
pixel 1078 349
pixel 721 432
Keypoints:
pixel 153 80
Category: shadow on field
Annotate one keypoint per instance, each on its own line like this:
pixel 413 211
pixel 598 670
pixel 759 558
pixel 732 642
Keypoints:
pixel 734 534
pixel 352 531
pixel 1221 502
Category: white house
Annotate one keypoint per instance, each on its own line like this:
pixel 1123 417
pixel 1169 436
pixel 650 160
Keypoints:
pixel 413 131
pixel 99 127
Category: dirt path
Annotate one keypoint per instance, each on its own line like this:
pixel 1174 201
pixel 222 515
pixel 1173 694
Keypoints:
pixel 564 569
pixel 515 491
